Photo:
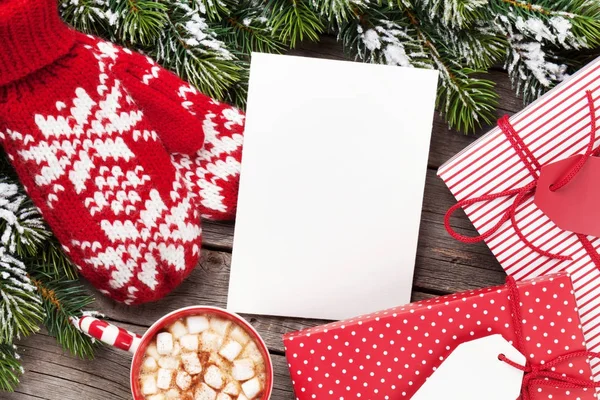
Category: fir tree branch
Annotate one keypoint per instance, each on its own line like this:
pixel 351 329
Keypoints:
pixel 238 92
pixel 294 20
pixel 88 15
pixel 386 39
pixel 465 101
pixel 51 259
pixel 22 229
pixel 480 47
pixel 141 21
pixel 532 69
pixel 10 367
pixel 20 306
pixel 454 13
pixel 189 47
pixel 249 30
pixel 63 300
pixel 532 60
pixel 339 11
pixel 23 232
pixel 215 10
pixel 570 23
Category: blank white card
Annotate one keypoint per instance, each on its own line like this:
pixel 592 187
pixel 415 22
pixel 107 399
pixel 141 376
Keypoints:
pixel 333 172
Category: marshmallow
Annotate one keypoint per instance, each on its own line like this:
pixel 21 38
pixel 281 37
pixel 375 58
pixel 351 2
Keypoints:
pixel 251 388
pixel 149 364
pixel 168 362
pixel 176 349
pixel 205 392
pixel 178 329
pixel 223 396
pixel 218 361
pixel 152 351
pixel 148 384
pixel 214 377
pixel 243 369
pixel 219 325
pixel 242 397
pixel 164 343
pixel 211 341
pixel 230 350
pixel 173 394
pixel 159 396
pixel 197 323
pixel 232 388
pixel 239 335
pixel 252 352
pixel 183 380
pixel 189 342
pixel 164 378
pixel 191 363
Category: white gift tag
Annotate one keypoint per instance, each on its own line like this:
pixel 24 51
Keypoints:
pixel 474 372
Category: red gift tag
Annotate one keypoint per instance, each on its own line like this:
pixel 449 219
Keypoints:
pixel 575 206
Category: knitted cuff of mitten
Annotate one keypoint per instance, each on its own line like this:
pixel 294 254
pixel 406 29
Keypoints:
pixel 32 35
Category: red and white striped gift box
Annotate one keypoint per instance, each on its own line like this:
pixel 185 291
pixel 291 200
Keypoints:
pixel 553 128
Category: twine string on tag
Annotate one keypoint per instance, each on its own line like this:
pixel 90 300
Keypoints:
pixel 536 375
pixel 523 193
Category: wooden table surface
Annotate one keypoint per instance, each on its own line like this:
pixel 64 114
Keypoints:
pixel 443 266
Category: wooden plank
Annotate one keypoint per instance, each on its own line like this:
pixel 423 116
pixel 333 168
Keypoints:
pixel 217 235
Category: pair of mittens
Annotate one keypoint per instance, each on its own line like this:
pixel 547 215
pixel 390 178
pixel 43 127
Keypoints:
pixel 120 156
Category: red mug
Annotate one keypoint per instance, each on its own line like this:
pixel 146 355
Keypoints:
pixel 129 341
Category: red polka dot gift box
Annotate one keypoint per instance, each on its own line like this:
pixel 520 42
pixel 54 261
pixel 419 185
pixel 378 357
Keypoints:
pixel 389 354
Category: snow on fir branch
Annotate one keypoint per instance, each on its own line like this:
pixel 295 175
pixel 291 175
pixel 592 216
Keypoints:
pixel 10 367
pixel 389 43
pixel 455 13
pixel 339 11
pixel 20 304
pixel 21 226
pixel 540 35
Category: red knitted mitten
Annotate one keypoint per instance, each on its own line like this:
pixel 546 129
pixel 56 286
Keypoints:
pixel 213 172
pixel 89 150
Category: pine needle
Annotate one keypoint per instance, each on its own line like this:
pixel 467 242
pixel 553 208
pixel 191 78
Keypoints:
pixel 293 21
pixel 10 367
pixel 62 300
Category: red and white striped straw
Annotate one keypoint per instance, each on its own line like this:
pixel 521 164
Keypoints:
pixel 108 333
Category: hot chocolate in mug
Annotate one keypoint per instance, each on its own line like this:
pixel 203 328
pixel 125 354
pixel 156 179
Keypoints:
pixel 229 351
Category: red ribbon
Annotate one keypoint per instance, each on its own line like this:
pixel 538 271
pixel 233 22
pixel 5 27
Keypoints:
pixel 541 374
pixel 523 193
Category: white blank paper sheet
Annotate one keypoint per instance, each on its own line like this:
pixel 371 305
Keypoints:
pixel 333 172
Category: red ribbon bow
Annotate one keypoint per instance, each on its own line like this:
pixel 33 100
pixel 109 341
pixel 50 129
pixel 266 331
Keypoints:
pixel 541 374
pixel 523 193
